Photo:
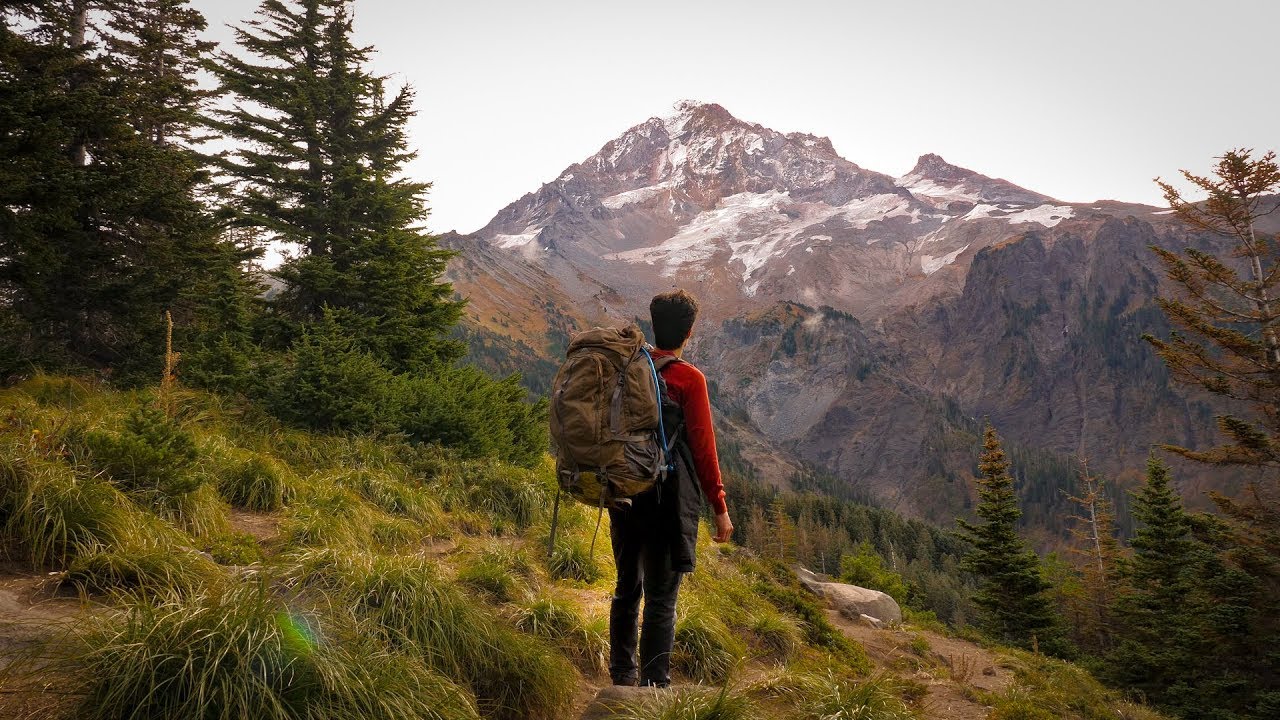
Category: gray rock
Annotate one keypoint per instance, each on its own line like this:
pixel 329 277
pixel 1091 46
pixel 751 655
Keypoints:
pixel 852 601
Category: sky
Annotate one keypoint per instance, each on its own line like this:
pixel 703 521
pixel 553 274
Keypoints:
pixel 1080 100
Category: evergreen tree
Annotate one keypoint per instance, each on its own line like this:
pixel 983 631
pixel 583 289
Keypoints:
pixel 322 147
pixel 101 229
pixel 1157 609
pixel 1011 597
pixel 1227 342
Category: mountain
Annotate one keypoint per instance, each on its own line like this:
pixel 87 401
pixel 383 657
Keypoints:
pixel 852 320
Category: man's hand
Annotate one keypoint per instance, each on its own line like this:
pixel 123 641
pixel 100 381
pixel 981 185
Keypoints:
pixel 724 527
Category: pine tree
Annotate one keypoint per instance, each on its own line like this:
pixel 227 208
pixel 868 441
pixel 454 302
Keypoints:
pixel 1229 319
pixel 103 229
pixel 322 149
pixel 1011 597
pixel 1227 342
pixel 1157 610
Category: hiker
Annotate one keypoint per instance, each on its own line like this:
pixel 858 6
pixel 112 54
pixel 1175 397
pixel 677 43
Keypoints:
pixel 654 537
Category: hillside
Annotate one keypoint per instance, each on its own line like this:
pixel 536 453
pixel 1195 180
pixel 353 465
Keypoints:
pixel 852 321
pixel 294 574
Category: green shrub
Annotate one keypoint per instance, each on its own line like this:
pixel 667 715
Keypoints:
pixel 865 568
pixel 512 675
pixel 329 383
pixel 705 649
pixel 152 456
pixel 255 482
pixel 240 653
pixel 573 560
pixel 465 409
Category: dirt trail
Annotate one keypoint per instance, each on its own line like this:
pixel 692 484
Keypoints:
pixel 951 669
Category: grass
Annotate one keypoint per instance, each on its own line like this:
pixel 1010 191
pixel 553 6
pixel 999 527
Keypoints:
pixel 512 675
pixel 144 568
pixel 345 615
pixel 705 649
pixel 826 694
pixel 1045 687
pixel 334 516
pixel 691 704
pixel 573 559
pixel 563 625
pixel 50 511
pixel 776 635
pixel 240 652
pixel 253 481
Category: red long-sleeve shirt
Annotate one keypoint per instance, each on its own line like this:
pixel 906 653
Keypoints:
pixel 688 387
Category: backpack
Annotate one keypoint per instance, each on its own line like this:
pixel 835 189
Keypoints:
pixel 607 430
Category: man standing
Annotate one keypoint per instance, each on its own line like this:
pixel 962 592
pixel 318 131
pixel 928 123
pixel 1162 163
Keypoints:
pixel 654 540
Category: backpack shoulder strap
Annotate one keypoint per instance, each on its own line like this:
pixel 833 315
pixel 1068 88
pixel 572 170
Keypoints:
pixel 665 360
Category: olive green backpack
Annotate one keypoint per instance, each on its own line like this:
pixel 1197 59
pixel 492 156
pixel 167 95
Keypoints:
pixel 606 421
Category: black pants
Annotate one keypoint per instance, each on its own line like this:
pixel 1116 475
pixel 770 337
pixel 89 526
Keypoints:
pixel 642 555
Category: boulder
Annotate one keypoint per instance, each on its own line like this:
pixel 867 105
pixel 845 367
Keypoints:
pixel 850 600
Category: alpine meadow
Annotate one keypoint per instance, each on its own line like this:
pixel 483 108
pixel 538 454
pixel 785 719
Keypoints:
pixel 271 449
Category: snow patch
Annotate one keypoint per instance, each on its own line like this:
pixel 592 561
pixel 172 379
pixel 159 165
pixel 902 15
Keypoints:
pixel 862 212
pixel 930 264
pixel 930 188
pixel 1046 215
pixel 1164 212
pixel 632 197
pixel 696 242
pixel 506 242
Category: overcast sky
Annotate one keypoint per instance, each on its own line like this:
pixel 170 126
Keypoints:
pixel 1078 99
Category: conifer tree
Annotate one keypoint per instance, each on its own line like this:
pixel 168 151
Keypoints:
pixel 1011 597
pixel 1226 312
pixel 322 147
pixel 1157 609
pixel 101 229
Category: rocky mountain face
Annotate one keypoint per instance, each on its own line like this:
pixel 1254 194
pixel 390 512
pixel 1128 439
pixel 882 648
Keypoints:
pixel 852 320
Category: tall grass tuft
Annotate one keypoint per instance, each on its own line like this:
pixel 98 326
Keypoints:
pixel 826 694
pixel 705 649
pixel 149 567
pixel 254 482
pixel 561 623
pixel 572 559
pixel 238 652
pixel 513 676
pixel 776 635
pixel 690 704
pixel 49 511
pixel 333 516
pixel 393 495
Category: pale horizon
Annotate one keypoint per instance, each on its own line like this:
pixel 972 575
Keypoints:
pixel 1087 102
